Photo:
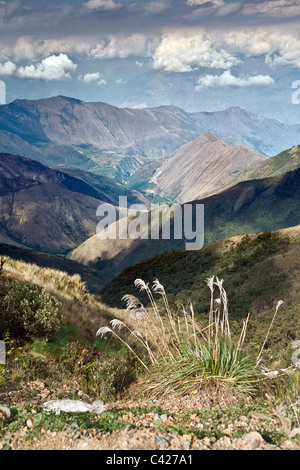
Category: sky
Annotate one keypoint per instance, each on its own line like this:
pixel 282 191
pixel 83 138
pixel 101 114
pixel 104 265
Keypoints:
pixel 199 55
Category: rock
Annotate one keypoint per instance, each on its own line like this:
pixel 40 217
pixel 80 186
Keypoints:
pixel 162 442
pixel 243 419
pixel 187 443
pixel 97 407
pixel 228 431
pixel 222 444
pixel 73 406
pixel 251 441
pixel 294 433
pixel 290 445
pixel 5 414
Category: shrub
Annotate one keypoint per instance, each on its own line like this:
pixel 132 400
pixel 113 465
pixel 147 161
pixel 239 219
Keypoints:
pixel 107 377
pixel 29 312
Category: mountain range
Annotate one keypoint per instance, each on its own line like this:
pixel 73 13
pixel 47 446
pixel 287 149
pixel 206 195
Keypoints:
pixel 63 131
pixel 72 150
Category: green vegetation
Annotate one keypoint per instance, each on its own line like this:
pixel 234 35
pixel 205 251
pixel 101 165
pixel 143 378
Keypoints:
pixel 258 270
pixel 50 335
pixel 28 312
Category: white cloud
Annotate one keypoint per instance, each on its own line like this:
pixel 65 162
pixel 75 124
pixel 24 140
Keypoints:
pixel 275 8
pixel 227 79
pixel 119 46
pixel 102 5
pixel 90 77
pixel 216 3
pixel 93 77
pixel 52 68
pixel 7 69
pixel 26 48
pixel 222 49
pixel 155 7
pixel 184 53
pixel 278 47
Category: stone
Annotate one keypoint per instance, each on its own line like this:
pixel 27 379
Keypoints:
pixel 5 414
pixel 74 406
pixel 294 433
pixel 251 441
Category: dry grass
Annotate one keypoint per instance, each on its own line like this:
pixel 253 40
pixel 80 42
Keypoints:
pixel 180 354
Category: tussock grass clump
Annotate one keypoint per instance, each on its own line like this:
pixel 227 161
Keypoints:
pixel 180 354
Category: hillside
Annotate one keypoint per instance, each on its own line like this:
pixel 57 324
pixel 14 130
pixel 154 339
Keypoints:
pixel 278 165
pixel 46 209
pixel 203 167
pixel 106 186
pixel 91 278
pixel 248 207
pixel 258 270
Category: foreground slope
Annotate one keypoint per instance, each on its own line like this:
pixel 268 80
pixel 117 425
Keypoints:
pixel 91 278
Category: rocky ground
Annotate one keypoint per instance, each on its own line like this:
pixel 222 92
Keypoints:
pixel 195 422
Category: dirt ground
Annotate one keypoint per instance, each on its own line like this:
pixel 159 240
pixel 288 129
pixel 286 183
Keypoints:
pixel 153 429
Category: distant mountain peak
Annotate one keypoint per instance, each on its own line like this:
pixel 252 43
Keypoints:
pixel 203 167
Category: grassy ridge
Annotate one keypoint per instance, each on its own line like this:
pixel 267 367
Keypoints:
pixel 288 160
pixel 92 278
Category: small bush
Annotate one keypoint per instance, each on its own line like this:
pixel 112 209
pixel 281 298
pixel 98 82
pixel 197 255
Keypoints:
pixel 107 377
pixel 29 312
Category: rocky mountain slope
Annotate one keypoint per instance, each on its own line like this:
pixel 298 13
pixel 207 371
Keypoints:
pixel 203 167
